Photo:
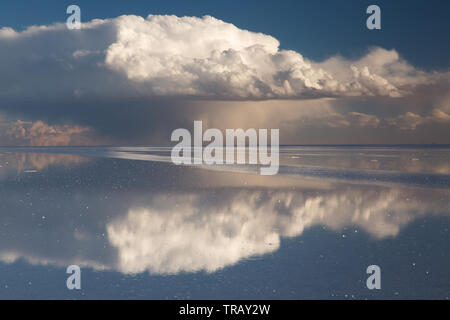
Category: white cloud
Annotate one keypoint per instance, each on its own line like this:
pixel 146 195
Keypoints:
pixel 209 57
pixel 200 57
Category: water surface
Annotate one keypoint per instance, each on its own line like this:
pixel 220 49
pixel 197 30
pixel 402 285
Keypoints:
pixel 141 227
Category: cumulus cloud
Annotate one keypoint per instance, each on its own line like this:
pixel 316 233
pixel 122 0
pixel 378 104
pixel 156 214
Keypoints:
pixel 157 73
pixel 190 56
pixel 209 57
pixel 41 134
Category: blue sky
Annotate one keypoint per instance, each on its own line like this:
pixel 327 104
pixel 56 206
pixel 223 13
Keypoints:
pixel 418 30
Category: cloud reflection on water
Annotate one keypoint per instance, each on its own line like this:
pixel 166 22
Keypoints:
pixel 202 221
pixel 187 232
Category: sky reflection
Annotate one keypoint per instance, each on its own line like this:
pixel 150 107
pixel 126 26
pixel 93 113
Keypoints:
pixel 151 217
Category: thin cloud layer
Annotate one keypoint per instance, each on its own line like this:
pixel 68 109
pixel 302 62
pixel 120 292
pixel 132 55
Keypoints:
pixel 410 120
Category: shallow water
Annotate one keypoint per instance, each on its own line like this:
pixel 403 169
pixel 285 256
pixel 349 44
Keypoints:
pixel 141 227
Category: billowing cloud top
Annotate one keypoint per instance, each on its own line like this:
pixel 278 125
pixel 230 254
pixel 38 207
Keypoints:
pixel 187 56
